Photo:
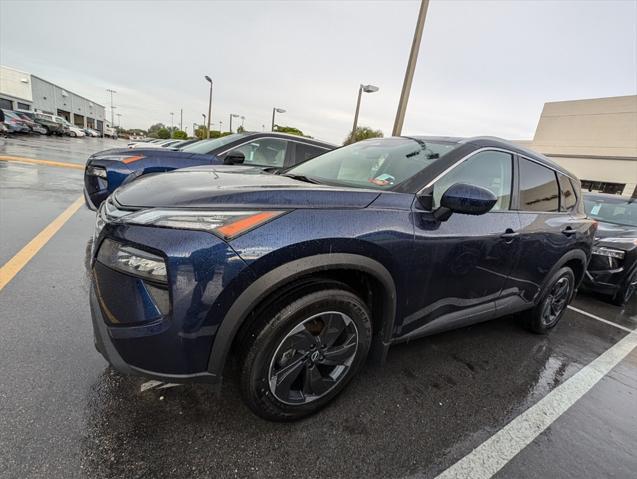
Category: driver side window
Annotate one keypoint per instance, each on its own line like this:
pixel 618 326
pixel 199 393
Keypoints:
pixel 492 170
pixel 264 152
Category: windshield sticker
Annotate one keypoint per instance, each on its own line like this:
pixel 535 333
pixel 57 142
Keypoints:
pixel 595 209
pixel 383 180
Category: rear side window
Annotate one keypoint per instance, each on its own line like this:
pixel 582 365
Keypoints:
pixel 538 188
pixel 568 198
pixel 306 152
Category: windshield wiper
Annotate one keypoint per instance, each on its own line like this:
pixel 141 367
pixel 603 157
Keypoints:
pixel 302 178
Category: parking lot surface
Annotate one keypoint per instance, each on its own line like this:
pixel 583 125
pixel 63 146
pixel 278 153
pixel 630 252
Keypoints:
pixel 438 400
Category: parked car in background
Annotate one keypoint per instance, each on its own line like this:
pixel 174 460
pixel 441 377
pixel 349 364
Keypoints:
pixel 157 144
pixel 92 133
pixel 108 169
pixel 69 128
pixel 48 122
pixel 33 126
pixel 613 266
pixel 303 275
pixel 14 123
pixel 109 131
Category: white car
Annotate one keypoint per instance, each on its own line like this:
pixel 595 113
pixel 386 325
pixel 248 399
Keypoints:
pixel 92 132
pixel 69 129
pixel 156 144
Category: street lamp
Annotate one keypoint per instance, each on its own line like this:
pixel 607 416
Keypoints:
pixel 232 115
pixel 274 112
pixel 209 103
pixel 361 89
pixel 172 116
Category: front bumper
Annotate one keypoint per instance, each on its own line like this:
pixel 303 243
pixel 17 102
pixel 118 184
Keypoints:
pixel 105 346
pixel 138 335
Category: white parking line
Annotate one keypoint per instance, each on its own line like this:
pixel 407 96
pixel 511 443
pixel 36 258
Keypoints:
pixel 493 454
pixel 585 313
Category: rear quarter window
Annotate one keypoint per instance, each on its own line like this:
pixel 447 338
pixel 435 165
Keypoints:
pixel 568 198
pixel 538 188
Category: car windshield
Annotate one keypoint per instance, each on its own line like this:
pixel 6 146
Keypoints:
pixel 379 163
pixel 206 146
pixel 619 211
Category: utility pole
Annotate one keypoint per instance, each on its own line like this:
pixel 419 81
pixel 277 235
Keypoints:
pixel 208 79
pixel 112 107
pixel 411 67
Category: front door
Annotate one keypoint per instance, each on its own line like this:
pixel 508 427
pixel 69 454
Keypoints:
pixel 461 265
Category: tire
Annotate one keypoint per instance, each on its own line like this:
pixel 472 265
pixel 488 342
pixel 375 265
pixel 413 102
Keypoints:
pixel 302 352
pixel 626 290
pixel 556 296
pixel 72 134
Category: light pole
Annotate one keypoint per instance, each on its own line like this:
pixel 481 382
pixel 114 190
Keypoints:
pixel 204 125
pixel 172 117
pixel 274 112
pixel 232 115
pixel 181 118
pixel 112 107
pixel 220 127
pixel 209 103
pixel 361 89
pixel 411 67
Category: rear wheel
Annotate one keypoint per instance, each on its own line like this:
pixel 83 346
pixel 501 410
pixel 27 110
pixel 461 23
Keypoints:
pixel 553 302
pixel 627 290
pixel 305 354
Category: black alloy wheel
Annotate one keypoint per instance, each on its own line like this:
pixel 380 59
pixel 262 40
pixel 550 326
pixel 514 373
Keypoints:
pixel 556 301
pixel 553 301
pixel 313 357
pixel 303 350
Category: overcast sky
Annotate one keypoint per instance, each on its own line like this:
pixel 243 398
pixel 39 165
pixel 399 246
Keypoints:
pixel 485 67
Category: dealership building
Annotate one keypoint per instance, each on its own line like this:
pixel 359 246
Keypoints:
pixel 596 139
pixel 23 91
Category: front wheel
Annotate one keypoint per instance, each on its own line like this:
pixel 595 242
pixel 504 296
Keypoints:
pixel 305 354
pixel 553 302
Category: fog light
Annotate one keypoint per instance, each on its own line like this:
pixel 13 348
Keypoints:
pixel 96 171
pixel 136 262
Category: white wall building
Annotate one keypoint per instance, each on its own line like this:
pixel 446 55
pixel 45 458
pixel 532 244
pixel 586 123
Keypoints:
pixel 24 91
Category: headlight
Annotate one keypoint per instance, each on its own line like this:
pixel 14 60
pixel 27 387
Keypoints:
pixel 225 224
pixel 610 252
pixel 96 171
pixel 132 261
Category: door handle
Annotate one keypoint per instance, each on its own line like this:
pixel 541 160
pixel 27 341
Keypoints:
pixel 568 231
pixel 509 235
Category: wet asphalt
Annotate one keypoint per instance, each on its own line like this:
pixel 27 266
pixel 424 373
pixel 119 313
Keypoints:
pixel 65 413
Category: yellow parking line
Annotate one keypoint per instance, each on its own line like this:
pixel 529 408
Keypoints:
pixel 19 261
pixel 19 159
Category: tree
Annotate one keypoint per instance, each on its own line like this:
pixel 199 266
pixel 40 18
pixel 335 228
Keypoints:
pixel 180 135
pixel 362 133
pixel 241 129
pixel 288 129
pixel 163 133
pixel 153 129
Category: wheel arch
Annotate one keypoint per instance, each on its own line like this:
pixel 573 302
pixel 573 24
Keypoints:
pixel 575 259
pixel 383 312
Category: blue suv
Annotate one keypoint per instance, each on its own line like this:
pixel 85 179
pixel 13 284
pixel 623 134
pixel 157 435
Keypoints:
pixel 305 275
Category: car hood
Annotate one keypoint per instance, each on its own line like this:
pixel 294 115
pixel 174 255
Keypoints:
pixel 234 187
pixel 610 230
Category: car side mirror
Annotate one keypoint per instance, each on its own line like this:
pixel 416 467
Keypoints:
pixel 234 158
pixel 465 199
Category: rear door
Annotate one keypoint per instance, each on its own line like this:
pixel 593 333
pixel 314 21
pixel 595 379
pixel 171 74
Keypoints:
pixel 548 228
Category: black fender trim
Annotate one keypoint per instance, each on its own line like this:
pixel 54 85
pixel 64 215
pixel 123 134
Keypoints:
pixel 288 272
pixel 569 256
